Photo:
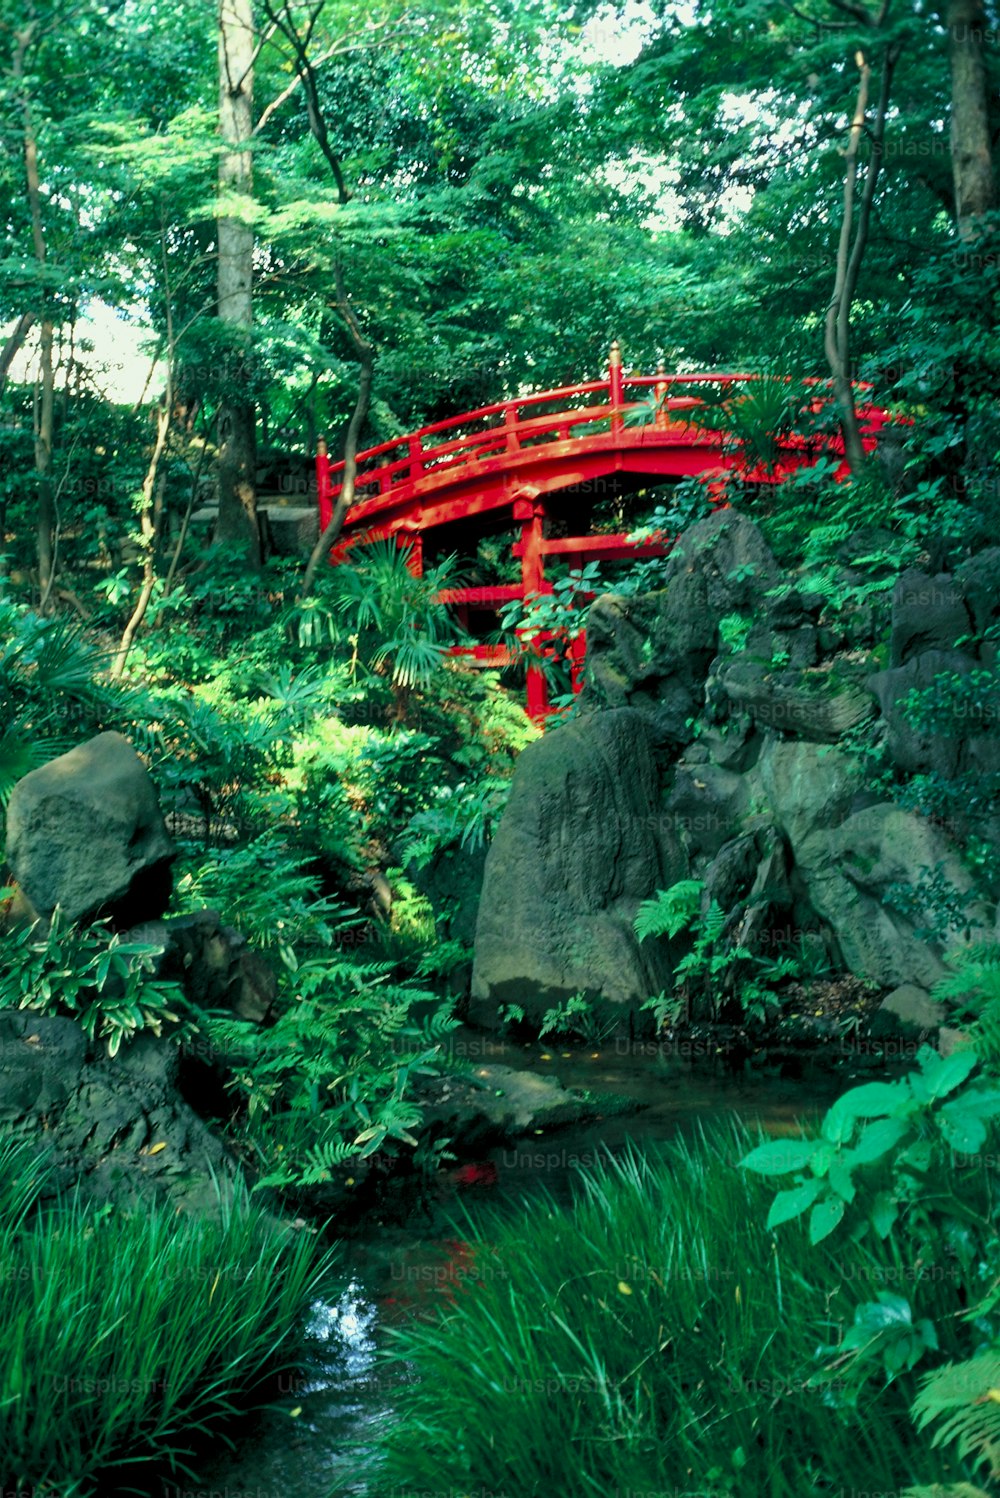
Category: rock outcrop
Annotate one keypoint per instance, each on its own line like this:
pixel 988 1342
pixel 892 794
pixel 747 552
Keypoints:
pixel 582 842
pixel 85 833
pixel 715 741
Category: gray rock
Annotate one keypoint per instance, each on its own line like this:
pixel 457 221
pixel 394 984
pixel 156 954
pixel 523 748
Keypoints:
pixel 813 704
pixel 908 1011
pixel 85 832
pixel 979 580
pixel 583 840
pixel 706 804
pixel 214 964
pixel 654 651
pixel 928 613
pixel 912 750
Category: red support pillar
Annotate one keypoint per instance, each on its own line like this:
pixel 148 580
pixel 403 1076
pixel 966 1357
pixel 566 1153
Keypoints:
pixel 577 657
pixel 410 536
pixel 616 386
pixel 324 492
pixel 530 511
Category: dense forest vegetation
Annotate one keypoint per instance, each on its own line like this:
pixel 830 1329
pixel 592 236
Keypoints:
pixel 324 221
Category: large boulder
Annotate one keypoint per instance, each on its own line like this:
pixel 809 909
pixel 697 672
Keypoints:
pixel 116 1129
pixel 85 832
pixel 654 651
pixel 806 703
pixel 928 613
pixel 855 861
pixel 583 840
pixel 914 749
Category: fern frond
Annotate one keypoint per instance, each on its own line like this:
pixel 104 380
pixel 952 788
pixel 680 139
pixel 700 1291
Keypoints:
pixel 964 1401
pixel 946 1490
pixel 670 911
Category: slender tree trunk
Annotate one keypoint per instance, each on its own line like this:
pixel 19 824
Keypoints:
pixel 366 357
pixel 44 424
pixel 13 344
pixel 45 392
pixel 152 495
pixel 237 523
pixel 851 248
pixel 971 150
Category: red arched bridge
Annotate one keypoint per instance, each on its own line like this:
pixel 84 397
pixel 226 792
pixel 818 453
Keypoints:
pixel 538 464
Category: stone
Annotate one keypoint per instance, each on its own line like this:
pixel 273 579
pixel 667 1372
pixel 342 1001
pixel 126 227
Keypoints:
pixel 979 580
pixel 908 1011
pixel 814 704
pixel 85 832
pixel 582 842
pixel 706 804
pixel 214 964
pixel 503 1102
pixel 293 530
pixel 928 613
pixel 98 1120
pixel 910 748
pixel 849 873
pixel 654 651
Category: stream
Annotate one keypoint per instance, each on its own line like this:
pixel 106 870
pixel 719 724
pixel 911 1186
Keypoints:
pixel 310 1444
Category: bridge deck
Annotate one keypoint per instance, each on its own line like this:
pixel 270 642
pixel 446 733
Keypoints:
pixel 622 433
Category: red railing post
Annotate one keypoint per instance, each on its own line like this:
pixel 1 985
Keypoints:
pixel 616 386
pixel 324 493
pixel 415 448
pixel 510 427
pixel 662 418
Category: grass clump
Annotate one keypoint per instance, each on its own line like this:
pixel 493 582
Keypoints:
pixel 128 1337
pixel 655 1336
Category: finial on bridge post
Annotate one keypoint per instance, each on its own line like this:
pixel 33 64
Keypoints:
pixel 661 389
pixel 616 387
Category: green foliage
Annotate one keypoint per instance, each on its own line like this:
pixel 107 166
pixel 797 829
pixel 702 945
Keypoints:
pixel 109 986
pixel 963 1402
pixel 53 691
pixel 265 889
pixel 131 1336
pixel 575 1018
pixel 898 1125
pixel 671 911
pixel 674 1335
pixel 723 971
pixel 333 1078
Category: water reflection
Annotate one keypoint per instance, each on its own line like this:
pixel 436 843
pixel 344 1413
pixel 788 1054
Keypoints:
pixel 320 1437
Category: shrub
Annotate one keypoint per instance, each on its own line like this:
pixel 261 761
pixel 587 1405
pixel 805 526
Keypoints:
pixel 128 1335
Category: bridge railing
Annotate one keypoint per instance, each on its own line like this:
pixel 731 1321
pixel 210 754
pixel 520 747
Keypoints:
pixel 492 433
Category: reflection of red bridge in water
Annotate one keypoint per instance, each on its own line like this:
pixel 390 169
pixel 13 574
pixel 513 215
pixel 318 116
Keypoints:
pixel 538 462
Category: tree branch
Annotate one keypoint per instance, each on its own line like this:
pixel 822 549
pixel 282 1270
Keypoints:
pixel 366 357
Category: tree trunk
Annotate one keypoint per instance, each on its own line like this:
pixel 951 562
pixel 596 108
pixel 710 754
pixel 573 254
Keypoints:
pixel 44 421
pixel 237 524
pixel 837 331
pixel 366 358
pixel 971 154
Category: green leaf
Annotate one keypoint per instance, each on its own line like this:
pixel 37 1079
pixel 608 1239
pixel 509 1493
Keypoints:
pixel 940 1075
pixel 874 1100
pixel 878 1138
pixel 790 1204
pixel 884 1213
pixel 825 1217
pixel 779 1156
pixel 840 1180
pixel 964 1131
pixel 823 1157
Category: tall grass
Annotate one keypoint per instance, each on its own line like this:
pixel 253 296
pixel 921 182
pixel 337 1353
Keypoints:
pixel 127 1336
pixel 655 1338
